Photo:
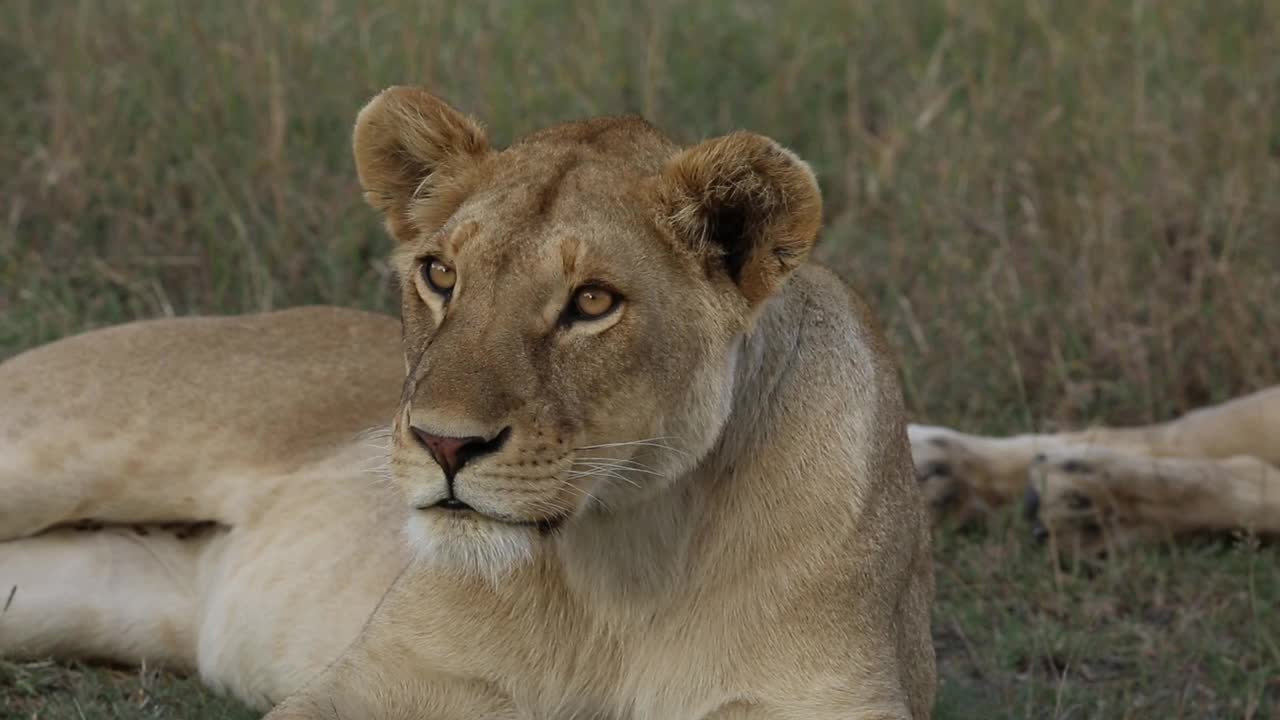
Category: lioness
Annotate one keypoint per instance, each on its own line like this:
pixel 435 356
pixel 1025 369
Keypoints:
pixel 1215 468
pixel 642 460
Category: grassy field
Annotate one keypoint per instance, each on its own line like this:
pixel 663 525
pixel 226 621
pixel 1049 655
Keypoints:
pixel 1062 212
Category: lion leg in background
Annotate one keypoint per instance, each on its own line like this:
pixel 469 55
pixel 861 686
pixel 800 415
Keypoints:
pixel 1248 425
pixel 122 594
pixel 164 420
pixel 1090 498
pixel 966 476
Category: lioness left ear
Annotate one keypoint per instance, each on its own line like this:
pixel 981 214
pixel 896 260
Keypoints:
pixel 744 204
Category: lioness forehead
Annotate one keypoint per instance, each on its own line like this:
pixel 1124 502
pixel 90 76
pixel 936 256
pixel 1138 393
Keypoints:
pixel 597 158
pixel 564 189
pixel 628 140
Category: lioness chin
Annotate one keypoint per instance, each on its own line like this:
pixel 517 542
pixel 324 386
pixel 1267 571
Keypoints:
pixel 640 460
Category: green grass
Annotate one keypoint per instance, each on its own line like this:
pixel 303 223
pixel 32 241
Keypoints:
pixel 1062 212
pixel 51 690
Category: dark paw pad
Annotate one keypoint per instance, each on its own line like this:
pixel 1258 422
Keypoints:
pixel 1076 467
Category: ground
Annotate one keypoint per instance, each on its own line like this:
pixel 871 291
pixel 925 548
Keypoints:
pixel 1062 213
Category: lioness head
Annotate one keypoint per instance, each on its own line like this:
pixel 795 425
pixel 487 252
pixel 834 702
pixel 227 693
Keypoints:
pixel 572 308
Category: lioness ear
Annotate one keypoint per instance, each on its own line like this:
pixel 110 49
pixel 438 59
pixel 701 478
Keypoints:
pixel 408 143
pixel 746 204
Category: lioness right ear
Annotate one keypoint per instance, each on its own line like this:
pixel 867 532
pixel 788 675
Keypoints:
pixel 408 144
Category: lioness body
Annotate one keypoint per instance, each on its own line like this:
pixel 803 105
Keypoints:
pixel 312 537
pixel 640 463
pixel 256 423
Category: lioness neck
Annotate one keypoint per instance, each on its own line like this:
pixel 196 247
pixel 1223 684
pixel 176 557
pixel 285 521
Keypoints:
pixel 781 474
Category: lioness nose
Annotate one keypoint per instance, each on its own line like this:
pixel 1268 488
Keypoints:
pixel 451 453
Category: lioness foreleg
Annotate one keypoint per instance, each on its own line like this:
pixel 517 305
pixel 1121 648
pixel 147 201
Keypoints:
pixel 122 594
pixel 361 685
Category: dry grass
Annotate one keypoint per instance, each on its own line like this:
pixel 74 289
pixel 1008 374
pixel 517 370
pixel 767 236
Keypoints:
pixel 1063 212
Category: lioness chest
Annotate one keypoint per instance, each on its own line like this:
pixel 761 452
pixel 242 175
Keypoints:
pixel 556 658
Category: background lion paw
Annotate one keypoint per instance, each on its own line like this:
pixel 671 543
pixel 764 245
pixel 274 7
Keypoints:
pixel 953 477
pixel 1089 500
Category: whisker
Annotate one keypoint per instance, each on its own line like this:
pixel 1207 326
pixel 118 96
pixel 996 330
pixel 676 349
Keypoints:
pixel 376 465
pixel 376 437
pixel 574 474
pixel 586 493
pixel 626 461
pixel 656 438
pixel 596 473
pixel 611 466
pixel 650 442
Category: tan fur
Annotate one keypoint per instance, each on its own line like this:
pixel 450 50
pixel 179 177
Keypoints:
pixel 1102 488
pixel 699 505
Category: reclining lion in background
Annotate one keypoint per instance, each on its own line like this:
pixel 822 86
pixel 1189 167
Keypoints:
pixel 642 462
pixel 1216 468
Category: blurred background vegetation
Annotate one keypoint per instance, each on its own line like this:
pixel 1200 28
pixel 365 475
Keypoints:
pixel 1062 213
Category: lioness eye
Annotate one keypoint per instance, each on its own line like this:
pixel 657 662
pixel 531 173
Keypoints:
pixel 593 302
pixel 439 276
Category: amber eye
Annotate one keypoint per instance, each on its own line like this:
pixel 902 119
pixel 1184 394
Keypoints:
pixel 593 302
pixel 439 276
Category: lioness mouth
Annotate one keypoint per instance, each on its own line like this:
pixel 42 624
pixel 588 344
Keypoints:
pixel 454 505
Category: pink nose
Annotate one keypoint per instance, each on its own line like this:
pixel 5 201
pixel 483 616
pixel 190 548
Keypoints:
pixel 451 453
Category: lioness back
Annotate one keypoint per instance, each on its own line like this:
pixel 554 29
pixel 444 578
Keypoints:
pixel 169 405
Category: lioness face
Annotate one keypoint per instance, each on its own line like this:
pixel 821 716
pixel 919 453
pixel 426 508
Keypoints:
pixel 572 308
